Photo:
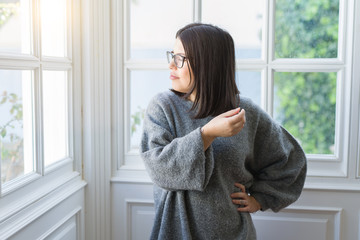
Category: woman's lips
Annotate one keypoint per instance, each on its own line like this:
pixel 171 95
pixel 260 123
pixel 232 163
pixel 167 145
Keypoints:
pixel 173 77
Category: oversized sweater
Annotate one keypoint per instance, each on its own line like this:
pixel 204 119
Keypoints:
pixel 192 187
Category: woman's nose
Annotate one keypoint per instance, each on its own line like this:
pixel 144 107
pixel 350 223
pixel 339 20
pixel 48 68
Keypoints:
pixel 172 64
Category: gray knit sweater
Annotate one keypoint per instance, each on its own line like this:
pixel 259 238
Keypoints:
pixel 192 188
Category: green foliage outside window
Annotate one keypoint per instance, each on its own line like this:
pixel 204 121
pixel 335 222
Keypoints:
pixel 306 28
pixel 12 158
pixel 6 11
pixel 307 101
pixel 136 119
pixel 307 108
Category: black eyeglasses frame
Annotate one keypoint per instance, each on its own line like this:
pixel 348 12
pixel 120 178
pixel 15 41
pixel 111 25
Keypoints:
pixel 170 55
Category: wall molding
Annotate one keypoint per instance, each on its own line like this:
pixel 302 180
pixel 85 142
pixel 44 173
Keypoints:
pixel 97 131
pixel 20 200
pixel 333 184
pixel 26 215
pixel 356 92
pixel 310 209
pixel 330 217
pixel 131 176
pixel 140 176
pixel 62 221
pixel 130 203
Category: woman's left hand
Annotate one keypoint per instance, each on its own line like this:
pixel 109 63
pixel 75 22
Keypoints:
pixel 247 203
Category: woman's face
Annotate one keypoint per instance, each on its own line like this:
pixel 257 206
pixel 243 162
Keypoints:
pixel 180 77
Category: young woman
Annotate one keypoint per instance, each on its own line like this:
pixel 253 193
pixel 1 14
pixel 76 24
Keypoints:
pixel 214 156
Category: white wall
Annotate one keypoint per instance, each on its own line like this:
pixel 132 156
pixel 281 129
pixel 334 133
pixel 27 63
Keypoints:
pixel 54 211
pixel 317 215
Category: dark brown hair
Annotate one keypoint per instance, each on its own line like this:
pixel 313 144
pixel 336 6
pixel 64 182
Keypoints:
pixel 211 55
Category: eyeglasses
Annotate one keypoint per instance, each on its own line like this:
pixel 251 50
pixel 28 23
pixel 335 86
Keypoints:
pixel 178 59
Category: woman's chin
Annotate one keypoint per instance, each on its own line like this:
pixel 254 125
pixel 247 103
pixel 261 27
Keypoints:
pixel 178 89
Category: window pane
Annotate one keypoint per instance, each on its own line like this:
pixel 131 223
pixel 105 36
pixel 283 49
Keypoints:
pixel 249 85
pixel 144 86
pixel 53 28
pixel 55 116
pixel 15 26
pixel 242 19
pixel 16 124
pixel 305 104
pixel 306 29
pixel 153 25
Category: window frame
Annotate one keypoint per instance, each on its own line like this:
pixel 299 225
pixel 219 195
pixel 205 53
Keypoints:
pixel 127 163
pixel 46 179
pixel 355 123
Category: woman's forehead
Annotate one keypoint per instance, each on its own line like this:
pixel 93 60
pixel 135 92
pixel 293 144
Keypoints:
pixel 178 47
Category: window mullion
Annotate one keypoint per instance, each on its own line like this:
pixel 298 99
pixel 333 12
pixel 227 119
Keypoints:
pixel 36 28
pixel 270 4
pixel 56 61
pixel 266 32
pixel 69 28
pixel 268 80
pixel 270 90
pixel 197 10
pixel 30 63
pixel 127 23
pixel 127 138
pixel 356 91
pixel 264 87
pixel 342 31
pixel 70 115
pixel 38 143
pixel 39 136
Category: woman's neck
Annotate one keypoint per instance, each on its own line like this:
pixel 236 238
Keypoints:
pixel 192 96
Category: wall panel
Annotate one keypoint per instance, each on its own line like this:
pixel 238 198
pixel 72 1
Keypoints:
pixel 139 215
pixel 67 230
pixel 320 215
pixel 300 223
pixel 62 221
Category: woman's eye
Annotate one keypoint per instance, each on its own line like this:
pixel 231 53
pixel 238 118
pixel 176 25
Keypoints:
pixel 177 59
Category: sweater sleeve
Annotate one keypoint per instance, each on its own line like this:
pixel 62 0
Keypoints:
pixel 279 166
pixel 173 163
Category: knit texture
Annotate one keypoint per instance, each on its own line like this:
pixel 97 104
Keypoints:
pixel 192 187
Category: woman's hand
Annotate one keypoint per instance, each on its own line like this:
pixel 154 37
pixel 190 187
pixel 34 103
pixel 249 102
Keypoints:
pixel 226 125
pixel 247 203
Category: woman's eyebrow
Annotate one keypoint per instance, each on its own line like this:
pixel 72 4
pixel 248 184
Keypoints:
pixel 178 53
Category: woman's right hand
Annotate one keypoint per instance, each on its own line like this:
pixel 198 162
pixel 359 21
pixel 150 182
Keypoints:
pixel 227 124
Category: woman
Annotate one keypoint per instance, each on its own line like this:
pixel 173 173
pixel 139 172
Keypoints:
pixel 211 162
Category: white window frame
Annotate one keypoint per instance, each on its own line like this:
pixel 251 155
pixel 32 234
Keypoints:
pixel 355 109
pixel 339 168
pixel 17 194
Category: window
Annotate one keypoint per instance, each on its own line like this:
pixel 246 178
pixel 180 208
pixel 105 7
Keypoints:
pixel 36 79
pixel 292 60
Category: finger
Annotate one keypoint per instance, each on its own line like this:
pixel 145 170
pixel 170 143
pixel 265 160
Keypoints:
pixel 244 209
pixel 238 117
pixel 239 125
pixel 241 195
pixel 231 112
pixel 240 202
pixel 241 114
pixel 242 187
